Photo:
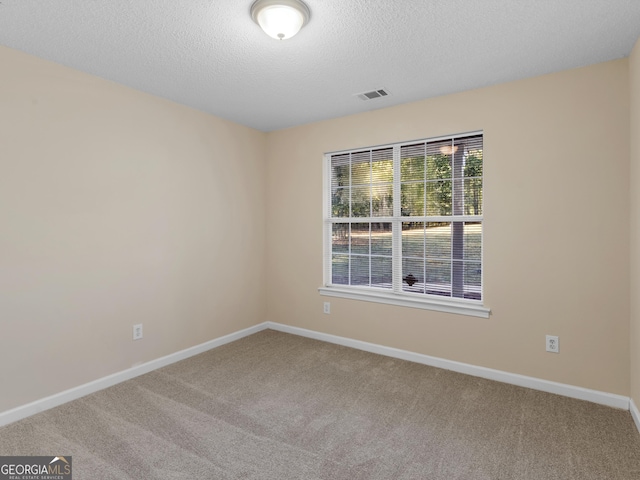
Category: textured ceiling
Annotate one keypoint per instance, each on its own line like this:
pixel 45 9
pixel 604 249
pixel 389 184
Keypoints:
pixel 210 55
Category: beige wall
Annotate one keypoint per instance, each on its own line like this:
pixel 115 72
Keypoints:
pixel 634 76
pixel 117 208
pixel 556 227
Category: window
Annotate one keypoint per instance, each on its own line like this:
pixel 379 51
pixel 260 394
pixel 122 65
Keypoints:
pixel 403 224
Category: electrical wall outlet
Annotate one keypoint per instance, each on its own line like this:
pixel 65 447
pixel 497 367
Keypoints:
pixel 327 308
pixel 553 344
pixel 137 331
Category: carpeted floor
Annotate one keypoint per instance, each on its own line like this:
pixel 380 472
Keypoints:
pixel 277 406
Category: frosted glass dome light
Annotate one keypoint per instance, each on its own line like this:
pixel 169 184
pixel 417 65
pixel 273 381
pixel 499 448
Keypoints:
pixel 280 19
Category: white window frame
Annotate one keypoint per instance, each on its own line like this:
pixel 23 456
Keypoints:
pixel 396 296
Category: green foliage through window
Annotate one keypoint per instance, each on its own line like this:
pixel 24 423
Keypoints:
pixel 438 217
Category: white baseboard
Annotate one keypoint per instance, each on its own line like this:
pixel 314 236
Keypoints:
pixel 609 399
pixel 595 396
pixel 46 403
pixel 635 413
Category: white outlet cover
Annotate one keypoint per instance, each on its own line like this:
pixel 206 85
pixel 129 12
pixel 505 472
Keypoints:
pixel 553 344
pixel 137 331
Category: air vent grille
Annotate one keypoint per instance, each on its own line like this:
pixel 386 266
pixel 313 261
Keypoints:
pixel 381 92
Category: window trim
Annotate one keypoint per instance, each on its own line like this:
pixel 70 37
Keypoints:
pixel 371 294
pixel 460 306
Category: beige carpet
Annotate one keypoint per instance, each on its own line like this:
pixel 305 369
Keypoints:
pixel 278 406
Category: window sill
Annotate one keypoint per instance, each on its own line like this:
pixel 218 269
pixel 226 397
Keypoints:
pixel 470 308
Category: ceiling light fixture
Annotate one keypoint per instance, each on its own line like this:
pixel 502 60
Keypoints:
pixel 448 149
pixel 280 19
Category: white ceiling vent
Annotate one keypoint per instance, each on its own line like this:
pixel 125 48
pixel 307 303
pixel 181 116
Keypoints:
pixel 381 92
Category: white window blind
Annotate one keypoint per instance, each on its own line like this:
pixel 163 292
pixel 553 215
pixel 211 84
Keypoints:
pixel 406 219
